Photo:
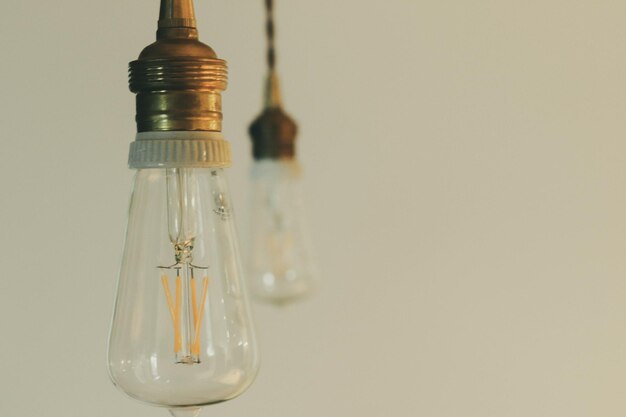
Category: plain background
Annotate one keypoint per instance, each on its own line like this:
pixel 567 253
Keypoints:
pixel 465 185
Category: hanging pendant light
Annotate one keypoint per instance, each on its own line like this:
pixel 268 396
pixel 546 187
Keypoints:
pixel 181 335
pixel 280 265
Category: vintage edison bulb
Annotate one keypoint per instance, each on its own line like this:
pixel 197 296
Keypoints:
pixel 181 335
pixel 280 262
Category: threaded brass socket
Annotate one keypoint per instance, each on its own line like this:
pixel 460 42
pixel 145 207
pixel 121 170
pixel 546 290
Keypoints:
pixel 178 82
pixel 178 79
pixel 178 94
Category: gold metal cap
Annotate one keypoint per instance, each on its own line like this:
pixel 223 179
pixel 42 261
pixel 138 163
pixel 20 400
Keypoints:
pixel 178 79
pixel 273 132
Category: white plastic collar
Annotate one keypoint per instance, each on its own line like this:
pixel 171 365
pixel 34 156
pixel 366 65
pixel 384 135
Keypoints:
pixel 179 150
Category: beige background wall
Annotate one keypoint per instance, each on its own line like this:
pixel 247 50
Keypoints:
pixel 466 181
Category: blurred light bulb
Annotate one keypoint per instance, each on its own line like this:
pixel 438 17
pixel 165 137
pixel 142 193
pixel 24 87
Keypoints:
pixel 279 262
pixel 280 265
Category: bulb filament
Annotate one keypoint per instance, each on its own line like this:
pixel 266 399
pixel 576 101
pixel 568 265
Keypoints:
pixel 187 350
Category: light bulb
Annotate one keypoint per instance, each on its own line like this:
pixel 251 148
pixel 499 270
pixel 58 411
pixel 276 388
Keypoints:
pixel 181 335
pixel 280 264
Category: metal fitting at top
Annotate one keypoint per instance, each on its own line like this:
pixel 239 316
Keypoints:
pixel 178 79
pixel 273 132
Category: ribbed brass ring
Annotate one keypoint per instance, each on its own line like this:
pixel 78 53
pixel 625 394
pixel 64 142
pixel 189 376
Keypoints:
pixel 181 74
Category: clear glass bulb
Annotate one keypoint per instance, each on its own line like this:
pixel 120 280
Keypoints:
pixel 181 335
pixel 280 265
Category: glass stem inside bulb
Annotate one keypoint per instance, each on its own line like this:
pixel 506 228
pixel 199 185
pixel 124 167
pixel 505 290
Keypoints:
pixel 186 303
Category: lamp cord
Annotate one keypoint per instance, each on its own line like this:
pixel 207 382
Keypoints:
pixel 272 89
pixel 269 31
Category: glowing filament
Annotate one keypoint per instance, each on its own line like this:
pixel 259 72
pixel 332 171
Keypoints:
pixel 174 305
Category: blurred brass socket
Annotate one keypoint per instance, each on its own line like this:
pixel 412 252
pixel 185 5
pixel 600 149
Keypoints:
pixel 273 132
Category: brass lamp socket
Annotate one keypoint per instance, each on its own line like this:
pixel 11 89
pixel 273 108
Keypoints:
pixel 273 135
pixel 178 79
pixel 273 132
pixel 178 94
pixel 178 82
